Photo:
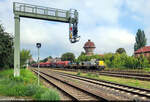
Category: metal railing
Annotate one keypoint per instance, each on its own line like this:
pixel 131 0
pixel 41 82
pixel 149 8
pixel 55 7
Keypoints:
pixel 27 8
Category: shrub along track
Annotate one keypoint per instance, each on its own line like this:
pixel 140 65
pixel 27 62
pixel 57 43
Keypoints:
pixel 75 92
pixel 139 76
pixel 124 92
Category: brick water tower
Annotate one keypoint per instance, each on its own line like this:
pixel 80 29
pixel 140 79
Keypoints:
pixel 89 47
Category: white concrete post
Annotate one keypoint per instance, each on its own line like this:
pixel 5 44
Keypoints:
pixel 17 47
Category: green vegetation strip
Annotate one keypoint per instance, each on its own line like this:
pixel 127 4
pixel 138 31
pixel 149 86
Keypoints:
pixel 24 86
pixel 130 82
pixel 144 70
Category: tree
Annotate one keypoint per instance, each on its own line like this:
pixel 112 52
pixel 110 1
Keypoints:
pixel 46 59
pixel 82 53
pixel 68 56
pixel 140 40
pixel 120 50
pixel 24 56
pixel 6 49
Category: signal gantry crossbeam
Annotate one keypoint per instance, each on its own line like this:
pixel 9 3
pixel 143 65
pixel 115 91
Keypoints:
pixel 44 13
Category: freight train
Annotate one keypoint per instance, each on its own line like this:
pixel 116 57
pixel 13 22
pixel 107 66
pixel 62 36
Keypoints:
pixel 93 64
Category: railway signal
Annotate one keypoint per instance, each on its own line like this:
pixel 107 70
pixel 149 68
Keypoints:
pixel 75 30
pixel 73 27
pixel 73 33
pixel 38 45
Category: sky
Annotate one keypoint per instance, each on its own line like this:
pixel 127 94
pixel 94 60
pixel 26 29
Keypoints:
pixel 110 24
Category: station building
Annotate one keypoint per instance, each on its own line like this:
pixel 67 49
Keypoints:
pixel 143 51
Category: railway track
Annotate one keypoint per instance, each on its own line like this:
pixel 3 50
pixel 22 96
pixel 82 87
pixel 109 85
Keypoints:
pixel 126 75
pixel 139 76
pixel 135 93
pixel 75 92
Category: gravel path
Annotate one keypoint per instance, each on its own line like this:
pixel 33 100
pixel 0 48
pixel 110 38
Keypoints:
pixel 6 98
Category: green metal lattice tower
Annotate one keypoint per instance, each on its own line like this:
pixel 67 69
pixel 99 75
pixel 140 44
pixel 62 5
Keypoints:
pixel 44 13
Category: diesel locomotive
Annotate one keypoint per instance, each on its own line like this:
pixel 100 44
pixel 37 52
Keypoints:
pixel 93 64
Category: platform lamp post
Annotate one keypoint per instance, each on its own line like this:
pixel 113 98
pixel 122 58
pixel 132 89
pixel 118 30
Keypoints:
pixel 38 45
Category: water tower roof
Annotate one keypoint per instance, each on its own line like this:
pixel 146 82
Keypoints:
pixel 89 44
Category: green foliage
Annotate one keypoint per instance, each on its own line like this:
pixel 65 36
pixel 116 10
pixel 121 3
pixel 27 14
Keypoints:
pixel 39 92
pixel 68 57
pixel 46 59
pixel 50 95
pixel 79 73
pixel 31 89
pixel 140 62
pixel 120 50
pixel 33 62
pixel 131 62
pixel 143 62
pixel 24 56
pixel 90 75
pixel 140 40
pixel 25 85
pixel 108 58
pixel 124 61
pixel 6 49
pixel 118 60
pixel 82 53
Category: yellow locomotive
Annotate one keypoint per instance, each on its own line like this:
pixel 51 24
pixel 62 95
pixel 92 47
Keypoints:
pixel 101 64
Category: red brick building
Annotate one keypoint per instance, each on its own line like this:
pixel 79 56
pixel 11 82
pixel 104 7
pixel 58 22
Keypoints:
pixel 144 50
pixel 89 47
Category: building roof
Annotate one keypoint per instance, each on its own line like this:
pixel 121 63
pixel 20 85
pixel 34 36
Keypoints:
pixel 89 44
pixel 142 50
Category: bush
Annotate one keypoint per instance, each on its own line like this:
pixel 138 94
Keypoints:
pixel 50 95
pixel 16 79
pixel 39 92
pixel 31 89
pixel 131 62
pixel 25 85
pixel 118 60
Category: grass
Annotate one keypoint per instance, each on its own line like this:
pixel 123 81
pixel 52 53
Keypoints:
pixel 79 73
pixel 125 81
pixel 24 86
pixel 128 69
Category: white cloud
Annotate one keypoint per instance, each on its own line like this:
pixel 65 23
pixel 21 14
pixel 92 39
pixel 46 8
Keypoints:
pixel 147 34
pixel 54 36
pixel 140 8
pixel 108 39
